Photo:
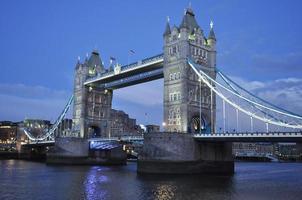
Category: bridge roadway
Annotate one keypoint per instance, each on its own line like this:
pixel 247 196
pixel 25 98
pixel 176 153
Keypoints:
pixel 228 137
pixel 251 137
pixel 218 137
pixel 142 71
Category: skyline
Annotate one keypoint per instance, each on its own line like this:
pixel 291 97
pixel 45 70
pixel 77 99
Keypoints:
pixel 247 46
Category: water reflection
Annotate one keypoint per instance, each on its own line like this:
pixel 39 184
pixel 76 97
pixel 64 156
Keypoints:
pixel 164 192
pixel 27 180
pixel 188 186
pixel 94 184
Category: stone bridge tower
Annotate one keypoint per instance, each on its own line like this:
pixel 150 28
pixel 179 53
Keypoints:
pixel 183 95
pixel 92 104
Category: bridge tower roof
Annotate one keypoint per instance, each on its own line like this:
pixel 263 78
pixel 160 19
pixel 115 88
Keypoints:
pixel 95 59
pixel 189 21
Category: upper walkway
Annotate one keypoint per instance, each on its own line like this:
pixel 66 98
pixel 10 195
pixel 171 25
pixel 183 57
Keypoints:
pixel 113 78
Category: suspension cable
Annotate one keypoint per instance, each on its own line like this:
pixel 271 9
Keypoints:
pixel 50 132
pixel 204 77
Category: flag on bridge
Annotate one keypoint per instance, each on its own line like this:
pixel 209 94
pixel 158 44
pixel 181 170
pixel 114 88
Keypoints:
pixel 112 59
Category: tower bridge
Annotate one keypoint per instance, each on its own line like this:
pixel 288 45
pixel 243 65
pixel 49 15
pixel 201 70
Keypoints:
pixel 193 85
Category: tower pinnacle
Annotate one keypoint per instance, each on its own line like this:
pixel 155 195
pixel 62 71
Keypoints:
pixel 211 24
pixel 212 34
pixel 168 29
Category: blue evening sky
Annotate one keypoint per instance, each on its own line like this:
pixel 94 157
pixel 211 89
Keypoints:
pixel 259 43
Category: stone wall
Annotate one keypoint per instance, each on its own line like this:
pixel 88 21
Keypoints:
pixel 169 146
pixel 180 153
pixel 70 146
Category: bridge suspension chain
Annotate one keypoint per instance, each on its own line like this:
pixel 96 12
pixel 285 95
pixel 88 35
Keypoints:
pixel 262 107
pixel 228 82
pixel 50 132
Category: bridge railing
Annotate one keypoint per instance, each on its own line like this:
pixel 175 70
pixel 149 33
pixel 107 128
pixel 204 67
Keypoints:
pixel 133 78
pixel 129 66
pixel 123 138
pixel 259 134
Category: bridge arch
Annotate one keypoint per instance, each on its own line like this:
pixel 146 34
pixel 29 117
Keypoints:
pixel 198 124
pixel 94 131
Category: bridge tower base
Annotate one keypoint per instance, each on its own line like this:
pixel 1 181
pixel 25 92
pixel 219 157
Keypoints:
pixel 178 153
pixel 76 151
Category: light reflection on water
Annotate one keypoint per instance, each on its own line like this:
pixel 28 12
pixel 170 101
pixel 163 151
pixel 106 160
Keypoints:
pixel 28 180
pixel 93 183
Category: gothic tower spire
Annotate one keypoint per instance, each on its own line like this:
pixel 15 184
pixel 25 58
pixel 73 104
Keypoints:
pixel 168 29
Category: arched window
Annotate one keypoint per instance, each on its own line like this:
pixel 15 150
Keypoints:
pixel 175 97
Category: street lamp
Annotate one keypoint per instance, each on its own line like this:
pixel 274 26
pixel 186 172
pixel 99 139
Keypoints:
pixel 164 125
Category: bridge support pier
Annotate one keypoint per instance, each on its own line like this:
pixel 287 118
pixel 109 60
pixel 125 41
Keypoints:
pixel 178 153
pixel 32 152
pixel 76 151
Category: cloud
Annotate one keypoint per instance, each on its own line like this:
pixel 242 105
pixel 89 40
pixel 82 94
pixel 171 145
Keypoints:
pixel 285 93
pixel 281 64
pixel 282 92
pixel 146 94
pixel 19 101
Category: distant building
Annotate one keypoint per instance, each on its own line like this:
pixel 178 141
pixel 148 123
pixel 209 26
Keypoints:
pixel 122 124
pixel 64 129
pixel 253 148
pixel 286 149
pixel 35 126
pixel 8 134
pixel 151 128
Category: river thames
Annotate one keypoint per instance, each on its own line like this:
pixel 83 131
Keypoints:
pixel 31 180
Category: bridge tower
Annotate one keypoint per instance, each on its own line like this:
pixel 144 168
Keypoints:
pixel 92 105
pixel 184 94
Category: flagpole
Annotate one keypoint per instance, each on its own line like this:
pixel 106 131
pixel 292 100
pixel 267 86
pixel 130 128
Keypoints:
pixel 128 58
pixel 130 52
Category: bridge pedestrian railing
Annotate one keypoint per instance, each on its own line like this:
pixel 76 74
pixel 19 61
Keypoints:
pixel 128 67
pixel 141 76
pixel 255 135
pixel 123 138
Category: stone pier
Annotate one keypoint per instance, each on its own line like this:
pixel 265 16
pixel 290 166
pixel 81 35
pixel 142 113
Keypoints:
pixel 76 151
pixel 179 153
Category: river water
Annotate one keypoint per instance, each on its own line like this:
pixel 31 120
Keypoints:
pixel 31 180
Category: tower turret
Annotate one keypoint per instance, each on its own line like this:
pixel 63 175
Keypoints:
pixel 189 21
pixel 212 37
pixel 95 64
pixel 167 30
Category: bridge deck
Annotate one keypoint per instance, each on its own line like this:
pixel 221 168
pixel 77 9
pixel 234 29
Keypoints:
pixel 251 137
pixel 146 65
pixel 136 79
